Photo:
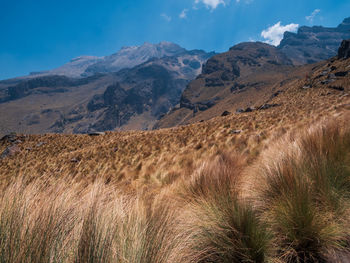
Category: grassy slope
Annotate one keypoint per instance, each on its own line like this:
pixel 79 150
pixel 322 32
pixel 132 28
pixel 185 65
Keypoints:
pixel 142 157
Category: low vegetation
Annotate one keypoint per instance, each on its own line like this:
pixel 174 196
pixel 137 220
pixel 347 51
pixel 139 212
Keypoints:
pixel 291 204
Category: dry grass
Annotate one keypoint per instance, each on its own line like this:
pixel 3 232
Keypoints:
pixel 295 209
pixel 217 225
pixel 303 192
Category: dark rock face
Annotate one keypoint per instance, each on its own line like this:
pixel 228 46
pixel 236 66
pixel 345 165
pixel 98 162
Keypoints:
pixel 314 44
pixel 43 85
pixel 225 113
pixel 10 151
pixel 344 50
pixel 268 106
pixel 149 87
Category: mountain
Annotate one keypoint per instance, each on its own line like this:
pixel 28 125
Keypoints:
pixel 75 68
pixel 245 75
pixel 314 44
pixel 127 57
pixel 131 98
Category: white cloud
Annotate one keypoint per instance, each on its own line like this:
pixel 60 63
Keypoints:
pixel 183 14
pixel 166 17
pixel 244 1
pixel 274 34
pixel 211 3
pixel 311 17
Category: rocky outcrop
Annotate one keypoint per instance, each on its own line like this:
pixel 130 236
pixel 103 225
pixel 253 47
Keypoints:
pixel 344 51
pixel 232 77
pixel 314 44
pixel 10 151
pixel 44 85
pixel 225 69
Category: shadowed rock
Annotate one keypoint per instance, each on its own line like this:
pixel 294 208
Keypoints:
pixel 344 50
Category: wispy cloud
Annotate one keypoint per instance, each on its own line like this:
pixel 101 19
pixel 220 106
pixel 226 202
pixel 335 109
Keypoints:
pixel 213 4
pixel 274 34
pixel 245 1
pixel 183 14
pixel 166 17
pixel 311 17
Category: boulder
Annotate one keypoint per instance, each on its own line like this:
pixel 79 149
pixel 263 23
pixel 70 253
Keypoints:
pixel 12 137
pixel 10 151
pixel 268 106
pixel 96 133
pixel 341 74
pixel 225 113
pixel 327 81
pixel 39 144
pixel 249 109
pixel 235 131
pixel 344 50
pixel 339 88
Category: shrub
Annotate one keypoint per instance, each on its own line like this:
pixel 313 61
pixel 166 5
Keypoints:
pixel 304 193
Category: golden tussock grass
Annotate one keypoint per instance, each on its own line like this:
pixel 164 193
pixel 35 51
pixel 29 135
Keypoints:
pixel 289 205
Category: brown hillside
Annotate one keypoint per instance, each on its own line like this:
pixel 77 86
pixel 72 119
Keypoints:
pixel 158 157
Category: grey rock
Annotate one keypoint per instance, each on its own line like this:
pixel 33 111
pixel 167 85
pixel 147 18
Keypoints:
pixel 12 137
pixel 40 144
pixel 339 88
pixel 10 151
pixel 268 106
pixel 341 73
pixel 344 50
pixel 327 81
pixel 249 109
pixel 96 133
pixel 235 131
pixel 331 76
pixel 225 113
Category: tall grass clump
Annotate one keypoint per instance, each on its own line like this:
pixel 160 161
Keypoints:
pixel 97 230
pixel 304 193
pixel 126 228
pixel 220 226
pixel 34 224
pixel 146 232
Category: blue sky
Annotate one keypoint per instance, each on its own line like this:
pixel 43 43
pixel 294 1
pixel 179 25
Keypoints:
pixel 44 34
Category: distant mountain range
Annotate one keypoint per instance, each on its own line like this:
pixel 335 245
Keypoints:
pixel 127 57
pixel 145 86
pixel 313 44
pixel 131 89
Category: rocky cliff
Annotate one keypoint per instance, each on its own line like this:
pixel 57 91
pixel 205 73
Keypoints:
pixel 314 44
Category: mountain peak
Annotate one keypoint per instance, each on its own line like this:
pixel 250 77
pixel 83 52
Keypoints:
pixel 84 58
pixel 345 25
pixel 129 57
pixel 313 44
